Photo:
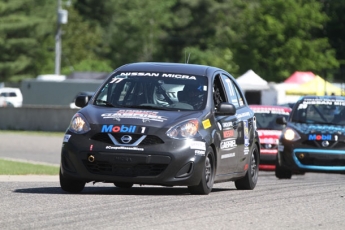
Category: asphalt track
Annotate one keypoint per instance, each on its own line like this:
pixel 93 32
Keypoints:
pixel 312 201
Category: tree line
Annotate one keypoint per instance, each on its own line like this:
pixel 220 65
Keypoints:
pixel 272 37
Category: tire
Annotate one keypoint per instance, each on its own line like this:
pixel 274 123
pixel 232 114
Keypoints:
pixel 71 186
pixel 248 182
pixel 208 173
pixel 123 185
pixel 281 172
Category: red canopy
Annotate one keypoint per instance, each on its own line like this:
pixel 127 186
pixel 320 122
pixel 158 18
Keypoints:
pixel 300 77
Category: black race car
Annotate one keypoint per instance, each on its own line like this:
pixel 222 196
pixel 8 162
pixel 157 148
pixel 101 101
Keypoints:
pixel 163 124
pixel 314 138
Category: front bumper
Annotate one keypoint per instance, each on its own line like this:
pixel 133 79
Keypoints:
pixel 171 163
pixel 301 158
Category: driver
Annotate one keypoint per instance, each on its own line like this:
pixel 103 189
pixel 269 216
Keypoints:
pixel 193 95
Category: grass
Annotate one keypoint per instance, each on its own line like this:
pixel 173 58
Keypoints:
pixel 8 167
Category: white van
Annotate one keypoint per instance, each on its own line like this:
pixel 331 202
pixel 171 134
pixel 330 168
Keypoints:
pixel 10 97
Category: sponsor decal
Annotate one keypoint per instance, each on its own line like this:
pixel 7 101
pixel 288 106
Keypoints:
pixel 145 116
pixel 268 110
pixel 200 152
pixel 228 144
pixel 120 129
pixel 320 137
pixel 228 155
pixel 331 129
pixel 246 133
pixel 227 124
pixel 124 148
pixel 246 114
pixel 241 101
pixel 166 75
pixel 206 123
pixel 246 151
pixel 66 137
pixel 269 140
pixel 197 145
pixel 280 148
pixel 228 133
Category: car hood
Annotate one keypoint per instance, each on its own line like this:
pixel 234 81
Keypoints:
pixel 155 118
pixel 269 136
pixel 317 128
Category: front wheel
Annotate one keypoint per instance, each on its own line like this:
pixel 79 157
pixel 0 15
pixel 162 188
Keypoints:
pixel 281 172
pixel 69 185
pixel 206 184
pixel 248 182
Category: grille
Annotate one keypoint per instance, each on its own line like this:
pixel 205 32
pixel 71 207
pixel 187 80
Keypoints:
pixel 332 144
pixel 149 140
pixel 139 170
pixel 322 162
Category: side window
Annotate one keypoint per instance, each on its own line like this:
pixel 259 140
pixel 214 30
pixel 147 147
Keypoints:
pixel 239 96
pixel 231 91
pixel 219 95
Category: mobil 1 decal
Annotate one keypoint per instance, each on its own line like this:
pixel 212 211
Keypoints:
pixel 123 129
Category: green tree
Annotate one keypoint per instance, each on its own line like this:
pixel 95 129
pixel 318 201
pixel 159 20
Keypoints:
pixel 81 41
pixel 18 43
pixel 335 31
pixel 279 37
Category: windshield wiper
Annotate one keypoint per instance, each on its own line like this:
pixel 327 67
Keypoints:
pixel 107 103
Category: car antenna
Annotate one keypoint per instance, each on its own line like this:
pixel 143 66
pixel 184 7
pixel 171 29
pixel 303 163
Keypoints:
pixel 188 58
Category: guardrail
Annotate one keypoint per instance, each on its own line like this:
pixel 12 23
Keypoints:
pixel 36 118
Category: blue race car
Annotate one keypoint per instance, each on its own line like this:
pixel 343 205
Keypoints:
pixel 314 137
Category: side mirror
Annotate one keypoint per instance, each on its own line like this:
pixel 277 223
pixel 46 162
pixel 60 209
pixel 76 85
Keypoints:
pixel 281 121
pixel 226 108
pixel 81 101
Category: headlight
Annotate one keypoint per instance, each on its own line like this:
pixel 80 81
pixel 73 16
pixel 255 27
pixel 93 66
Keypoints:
pixel 186 129
pixel 79 125
pixel 291 135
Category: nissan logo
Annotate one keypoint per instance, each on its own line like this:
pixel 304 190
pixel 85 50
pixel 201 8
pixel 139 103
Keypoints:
pixel 126 139
pixel 324 143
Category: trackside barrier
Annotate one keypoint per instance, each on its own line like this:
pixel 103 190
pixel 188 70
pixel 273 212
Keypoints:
pixel 36 118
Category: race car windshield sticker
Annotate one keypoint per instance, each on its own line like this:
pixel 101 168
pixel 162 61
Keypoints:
pixel 164 75
pixel 135 114
pixel 268 110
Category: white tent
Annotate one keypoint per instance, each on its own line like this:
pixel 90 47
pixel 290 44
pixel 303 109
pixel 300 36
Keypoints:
pixel 251 81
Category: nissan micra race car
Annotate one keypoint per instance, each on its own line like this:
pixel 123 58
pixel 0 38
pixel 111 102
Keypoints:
pixel 269 132
pixel 314 138
pixel 163 124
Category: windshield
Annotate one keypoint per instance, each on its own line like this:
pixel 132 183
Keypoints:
pixel 166 91
pixel 320 111
pixel 268 121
